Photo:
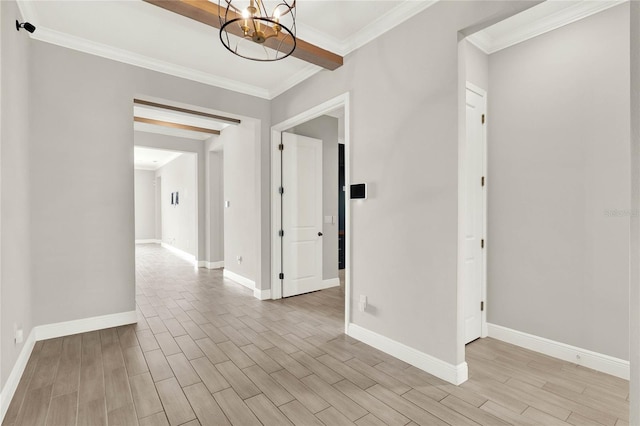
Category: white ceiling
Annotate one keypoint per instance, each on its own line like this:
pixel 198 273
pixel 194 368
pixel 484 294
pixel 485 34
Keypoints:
pixel 148 36
pixel 152 159
pixel 542 18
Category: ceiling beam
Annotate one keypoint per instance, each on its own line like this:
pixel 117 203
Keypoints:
pixel 209 13
pixel 175 125
pixel 186 111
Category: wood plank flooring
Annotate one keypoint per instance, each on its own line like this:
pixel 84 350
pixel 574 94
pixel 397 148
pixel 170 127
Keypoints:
pixel 206 352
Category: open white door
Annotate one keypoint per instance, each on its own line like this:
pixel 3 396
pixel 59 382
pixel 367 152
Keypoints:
pixel 301 214
pixel 474 212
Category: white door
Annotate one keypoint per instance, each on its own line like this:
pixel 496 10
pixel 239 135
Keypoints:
pixel 301 214
pixel 474 212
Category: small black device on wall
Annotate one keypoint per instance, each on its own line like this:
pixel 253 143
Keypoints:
pixel 172 198
pixel 358 191
pixel 177 200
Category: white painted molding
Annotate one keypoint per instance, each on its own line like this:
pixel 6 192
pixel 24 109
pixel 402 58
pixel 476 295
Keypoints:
pixel 455 374
pixel 150 241
pixel 120 55
pixel 50 331
pixel 239 279
pixel 262 294
pixel 569 15
pixel 181 253
pixel 84 325
pixel 385 22
pixel 584 357
pixel 210 265
pixel 11 384
pixel 331 282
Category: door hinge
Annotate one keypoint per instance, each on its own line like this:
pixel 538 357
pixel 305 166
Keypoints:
pixel 281 190
pixel 482 118
pixel 482 181
pixel 482 243
pixel 281 233
pixel 281 146
pixel 281 276
pixel 482 306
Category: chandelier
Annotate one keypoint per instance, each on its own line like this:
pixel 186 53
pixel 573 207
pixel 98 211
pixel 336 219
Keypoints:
pixel 258 30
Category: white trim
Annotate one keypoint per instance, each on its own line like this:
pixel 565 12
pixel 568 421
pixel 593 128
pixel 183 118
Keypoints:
pixel 383 23
pixel 456 374
pixel 67 328
pixel 276 130
pixel 181 253
pixel 584 357
pixel 11 384
pixel 120 55
pixel 50 331
pixel 239 279
pixel 264 294
pixel 149 241
pixel 330 283
pixel 569 15
pixel 210 265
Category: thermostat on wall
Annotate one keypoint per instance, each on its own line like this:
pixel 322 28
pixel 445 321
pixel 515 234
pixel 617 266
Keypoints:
pixel 358 191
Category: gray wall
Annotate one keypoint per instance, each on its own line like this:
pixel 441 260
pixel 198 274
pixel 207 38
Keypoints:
pixel 241 217
pixel 81 171
pixel 215 169
pixel 325 128
pixel 179 221
pixel 15 250
pixel 404 128
pixel 634 293
pixel 558 264
pixel 145 204
pixel 477 66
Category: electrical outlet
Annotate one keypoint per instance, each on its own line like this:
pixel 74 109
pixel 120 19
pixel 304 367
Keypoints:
pixel 18 336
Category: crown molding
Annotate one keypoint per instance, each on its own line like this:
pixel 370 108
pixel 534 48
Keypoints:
pixel 571 14
pixel 394 17
pixel 125 56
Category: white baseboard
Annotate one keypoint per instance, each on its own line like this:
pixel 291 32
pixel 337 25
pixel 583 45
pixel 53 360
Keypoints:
pixel 597 361
pixel 331 282
pixel 67 328
pixel 181 253
pixel 11 384
pixel 239 279
pixel 262 294
pixel 455 374
pixel 50 331
pixel 152 241
pixel 210 265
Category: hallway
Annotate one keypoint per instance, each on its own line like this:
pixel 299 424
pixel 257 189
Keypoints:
pixel 205 351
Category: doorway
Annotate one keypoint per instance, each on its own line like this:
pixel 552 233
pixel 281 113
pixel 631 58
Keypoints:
pixel 285 257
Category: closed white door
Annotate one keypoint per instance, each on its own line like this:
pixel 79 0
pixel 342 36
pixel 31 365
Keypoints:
pixel 474 212
pixel 301 214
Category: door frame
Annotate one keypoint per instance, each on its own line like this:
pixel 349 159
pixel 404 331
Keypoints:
pixel 462 194
pixel 276 166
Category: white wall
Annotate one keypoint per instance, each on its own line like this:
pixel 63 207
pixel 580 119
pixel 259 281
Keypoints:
pixel 558 260
pixel 325 128
pixel 241 217
pixel 477 66
pixel 404 129
pixel 145 204
pixel 179 221
pixel 16 303
pixel 215 168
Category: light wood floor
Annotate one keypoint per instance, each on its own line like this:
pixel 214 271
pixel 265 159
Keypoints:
pixel 206 352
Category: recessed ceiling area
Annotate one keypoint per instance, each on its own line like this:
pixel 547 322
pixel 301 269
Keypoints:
pixel 152 159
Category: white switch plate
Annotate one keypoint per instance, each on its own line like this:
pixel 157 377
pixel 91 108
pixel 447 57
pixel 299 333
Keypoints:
pixel 330 219
pixel 363 303
pixel 227 204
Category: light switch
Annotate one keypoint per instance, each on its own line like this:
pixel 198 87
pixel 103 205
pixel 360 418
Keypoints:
pixel 227 204
pixel 329 219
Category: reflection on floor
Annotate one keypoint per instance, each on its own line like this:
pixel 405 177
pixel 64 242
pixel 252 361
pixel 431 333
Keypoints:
pixel 205 351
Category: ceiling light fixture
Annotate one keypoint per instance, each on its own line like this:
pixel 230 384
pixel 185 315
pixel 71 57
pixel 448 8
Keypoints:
pixel 260 31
